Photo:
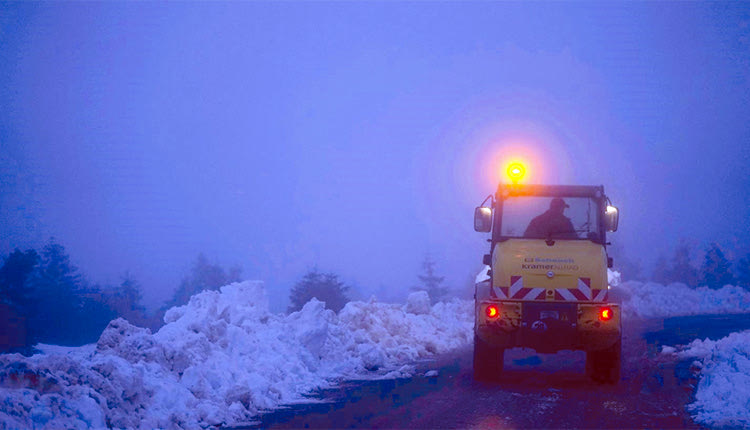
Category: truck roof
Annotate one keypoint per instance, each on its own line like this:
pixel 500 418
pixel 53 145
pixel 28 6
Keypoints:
pixel 516 190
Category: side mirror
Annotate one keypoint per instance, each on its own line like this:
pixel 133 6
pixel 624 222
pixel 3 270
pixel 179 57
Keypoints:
pixel 483 219
pixel 611 218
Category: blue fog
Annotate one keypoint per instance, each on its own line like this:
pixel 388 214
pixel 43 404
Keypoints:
pixel 358 137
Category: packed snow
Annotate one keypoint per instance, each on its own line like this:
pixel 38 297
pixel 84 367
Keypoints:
pixel 723 395
pixel 652 300
pixel 221 359
pixel 224 357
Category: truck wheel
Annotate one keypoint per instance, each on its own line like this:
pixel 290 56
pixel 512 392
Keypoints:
pixel 488 360
pixel 604 365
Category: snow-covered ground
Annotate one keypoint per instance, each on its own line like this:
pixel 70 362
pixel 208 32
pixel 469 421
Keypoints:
pixel 652 300
pixel 220 360
pixel 723 395
pixel 225 357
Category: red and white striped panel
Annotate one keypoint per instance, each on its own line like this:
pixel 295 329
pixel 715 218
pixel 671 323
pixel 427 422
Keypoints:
pixel 498 292
pixel 517 291
pixel 583 292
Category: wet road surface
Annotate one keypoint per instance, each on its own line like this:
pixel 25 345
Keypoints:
pixel 535 391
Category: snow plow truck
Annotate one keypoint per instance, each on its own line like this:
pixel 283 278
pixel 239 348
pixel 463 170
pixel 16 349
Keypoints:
pixel 545 283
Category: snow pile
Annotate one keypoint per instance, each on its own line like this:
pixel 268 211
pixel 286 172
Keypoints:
pixel 483 275
pixel 221 359
pixel 418 303
pixel 651 300
pixel 614 278
pixel 386 329
pixel 723 395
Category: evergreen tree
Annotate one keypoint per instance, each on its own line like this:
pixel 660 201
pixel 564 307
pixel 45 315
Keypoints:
pixel 14 274
pixel 126 300
pixel 92 317
pixel 716 270
pixel 203 276
pixel 54 297
pixel 130 290
pixel 661 271
pixel 743 272
pixel 430 282
pixel 682 269
pixel 15 299
pixel 325 287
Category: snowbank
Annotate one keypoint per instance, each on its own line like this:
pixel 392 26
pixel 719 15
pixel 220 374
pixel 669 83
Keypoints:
pixel 224 357
pixel 221 359
pixel 723 395
pixel 652 300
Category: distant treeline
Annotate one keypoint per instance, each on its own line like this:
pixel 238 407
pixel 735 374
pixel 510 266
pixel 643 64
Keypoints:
pixel 714 270
pixel 45 299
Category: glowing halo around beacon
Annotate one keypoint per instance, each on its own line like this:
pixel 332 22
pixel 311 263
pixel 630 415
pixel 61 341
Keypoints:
pixel 517 165
pixel 516 172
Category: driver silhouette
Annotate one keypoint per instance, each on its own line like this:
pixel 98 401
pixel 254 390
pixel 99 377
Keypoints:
pixel 552 224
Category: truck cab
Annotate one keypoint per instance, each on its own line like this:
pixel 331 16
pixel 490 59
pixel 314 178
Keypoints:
pixel 545 281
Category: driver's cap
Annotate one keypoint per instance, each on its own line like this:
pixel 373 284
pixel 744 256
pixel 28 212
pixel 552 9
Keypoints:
pixel 557 202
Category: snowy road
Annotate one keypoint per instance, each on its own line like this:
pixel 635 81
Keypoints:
pixel 537 391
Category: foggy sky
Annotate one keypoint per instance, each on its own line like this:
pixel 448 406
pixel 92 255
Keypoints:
pixel 358 137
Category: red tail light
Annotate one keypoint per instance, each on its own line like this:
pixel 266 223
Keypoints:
pixel 605 314
pixel 492 311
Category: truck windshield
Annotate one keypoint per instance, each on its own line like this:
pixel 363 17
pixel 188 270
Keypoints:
pixel 550 218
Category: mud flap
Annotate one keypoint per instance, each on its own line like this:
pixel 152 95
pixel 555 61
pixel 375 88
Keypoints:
pixel 604 366
pixel 488 360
